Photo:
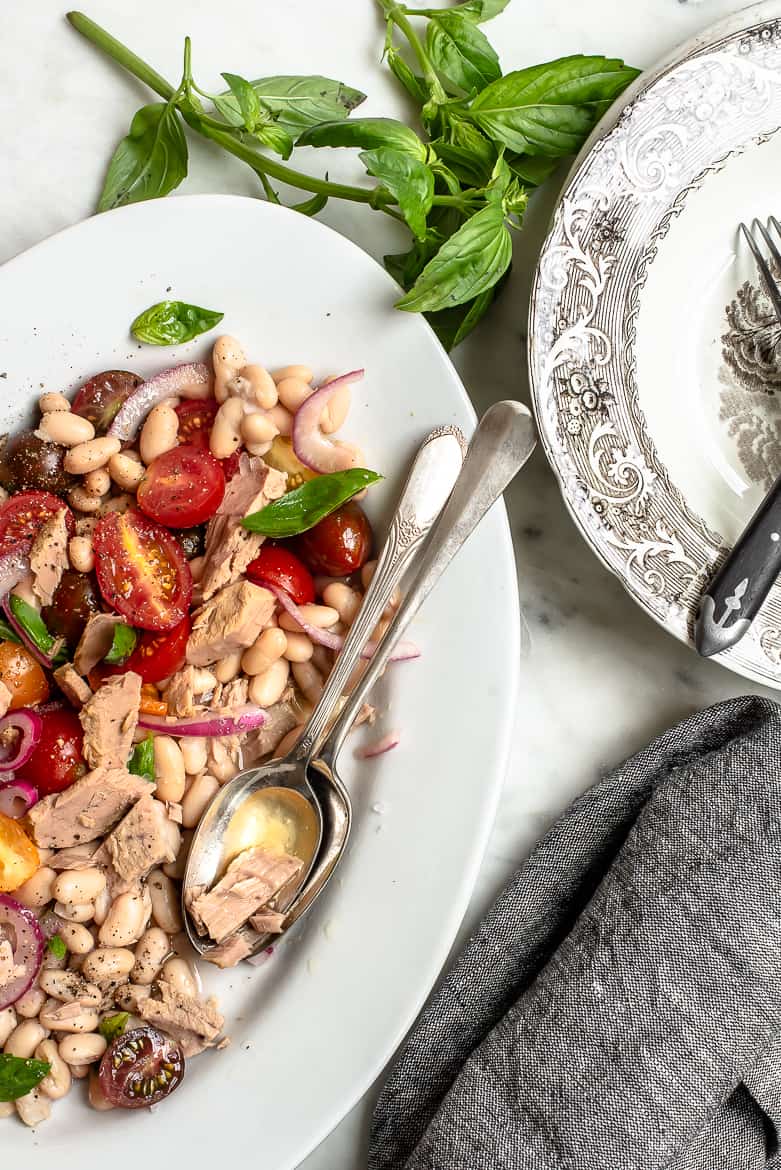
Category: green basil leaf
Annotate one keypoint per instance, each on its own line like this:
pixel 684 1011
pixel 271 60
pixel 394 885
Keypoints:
pixel 142 759
pixel 173 322
pixel 550 109
pixel 406 267
pixel 150 161
pixel 453 325
pixel 409 181
pixel 8 633
pixel 414 85
pixel 311 206
pixel 18 1077
pixel 228 106
pixel 123 643
pixel 34 626
pixel 246 98
pixel 275 137
pixel 298 102
pixel 368 133
pixel 55 946
pixel 112 1026
pixel 472 260
pixel 301 509
pixel 480 10
pixel 461 52
pixel 532 170
pixel 467 152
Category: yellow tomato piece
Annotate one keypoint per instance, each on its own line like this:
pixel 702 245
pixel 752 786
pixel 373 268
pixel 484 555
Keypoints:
pixel 282 457
pixel 18 856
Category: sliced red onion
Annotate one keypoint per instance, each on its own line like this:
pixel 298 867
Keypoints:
pixel 29 724
pixel 16 798
pixel 13 566
pixel 309 443
pixel 179 380
pixel 246 718
pixel 46 660
pixel 386 743
pixel 20 928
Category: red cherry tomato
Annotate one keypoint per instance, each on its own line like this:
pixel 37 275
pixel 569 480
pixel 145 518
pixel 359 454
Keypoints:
pixel 281 567
pixel 182 487
pixel 142 571
pixel 57 760
pixel 156 656
pixel 101 397
pixel 230 465
pixel 339 544
pixel 22 515
pixel 195 425
pixel 140 1068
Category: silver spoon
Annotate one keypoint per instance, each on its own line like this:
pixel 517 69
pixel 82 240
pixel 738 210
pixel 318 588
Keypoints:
pixel 502 443
pixel 277 798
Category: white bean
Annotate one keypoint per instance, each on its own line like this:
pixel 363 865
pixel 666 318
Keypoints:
pixel 257 428
pixel 79 885
pixel 57 1082
pixel 75 911
pixel 264 652
pixel 53 400
pixel 37 890
pixel 165 901
pixel 335 412
pixel 80 1071
pixel 153 947
pixel 83 1049
pixel 8 1022
pixel 194 802
pixel 77 938
pixel 223 766
pixel 68 1017
pixel 309 680
pixel 194 754
pixel 298 648
pixel 282 419
pixel 169 769
pixel 226 429
pixel 35 1106
pixel 69 985
pixel 24 1039
pixel 95 1094
pixel 108 964
pixel 255 385
pixel 320 616
pixel 159 432
pixel 287 742
pixel 29 1004
pixel 97 482
pixel 126 472
pixel 125 921
pixel 181 976
pixel 304 373
pixel 228 667
pixel 175 869
pixel 344 600
pixel 102 906
pixel 81 554
pixel 268 688
pixel 227 357
pixel 293 392
pixel 82 501
pixel 119 503
pixel 88 456
pixel 69 430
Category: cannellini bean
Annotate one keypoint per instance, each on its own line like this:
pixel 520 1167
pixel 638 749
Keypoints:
pixel 181 976
pixel 82 501
pixel 68 1017
pixel 165 898
pixel 80 1071
pixel 85 525
pixel 281 418
pixel 68 985
pixel 88 456
pixel 226 429
pixel 228 667
pixel 298 647
pixel 336 411
pixel 106 965
pixel 35 1106
pixel 255 385
pixel 194 753
pixel 119 503
pixel 293 392
pixel 53 400
pixel 321 616
pixel 79 885
pixel 175 869
pixel 57 1082
pixel 97 482
pixel 81 554
pixel 24 1039
pixel 259 448
pixel 194 804
pixel 82 1049
pixel 227 358
pixel 257 428
pixel 125 471
pixel 125 921
pixel 37 890
pixel 8 1022
pixel 29 1004
pixel 223 766
pixel 169 769
pixel 77 938
pixel 308 679
pixel 344 600
pixel 287 742
pixel 102 907
pixel 69 430
pixel 159 432
pixel 264 652
pixel 75 911
pixel 203 680
pixel 303 373
pixel 322 658
pixel 153 948
pixel 97 1098
pixel 267 688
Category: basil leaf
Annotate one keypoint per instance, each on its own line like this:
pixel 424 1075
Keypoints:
pixel 461 52
pixel 112 1026
pixel 18 1077
pixel 414 85
pixel 550 109
pixel 229 107
pixel 142 759
pixel 8 633
pixel 55 946
pixel 246 98
pixel 298 102
pixel 472 260
pixel 123 643
pixel 367 133
pixel 480 10
pixel 150 161
pixel 311 206
pixel 409 181
pixel 453 325
pixel 301 509
pixel 173 323
pixel 406 267
pixel 275 137
pixel 467 152
pixel 532 170
pixel 34 626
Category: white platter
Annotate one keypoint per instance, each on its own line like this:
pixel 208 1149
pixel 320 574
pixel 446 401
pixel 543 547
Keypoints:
pixel 655 360
pixel 312 1027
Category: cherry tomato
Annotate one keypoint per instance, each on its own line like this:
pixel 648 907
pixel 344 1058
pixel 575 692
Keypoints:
pixel 182 487
pixel 31 464
pixel 283 568
pixel 75 600
pixel 23 675
pixel 195 425
pixel 142 571
pixel 140 1068
pixel 156 656
pixel 101 397
pixel 22 515
pixel 57 760
pixel 18 856
pixel 339 544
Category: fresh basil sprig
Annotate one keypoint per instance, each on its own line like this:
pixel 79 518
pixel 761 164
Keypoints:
pixel 301 509
pixel 142 759
pixel 18 1077
pixel 123 643
pixel 34 626
pixel 112 1026
pixel 173 323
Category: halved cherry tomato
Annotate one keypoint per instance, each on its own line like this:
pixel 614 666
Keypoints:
pixel 283 568
pixel 19 858
pixel 339 544
pixel 23 675
pixel 23 514
pixel 142 571
pixel 57 760
pixel 140 1068
pixel 157 654
pixel 195 425
pixel 182 487
pixel 101 397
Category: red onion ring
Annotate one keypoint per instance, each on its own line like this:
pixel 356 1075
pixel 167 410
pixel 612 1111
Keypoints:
pixel 135 408
pixel 20 927
pixel 309 443
pixel 385 744
pixel 16 798
pixel 246 718
pixel 46 660
pixel 13 566
pixel 29 724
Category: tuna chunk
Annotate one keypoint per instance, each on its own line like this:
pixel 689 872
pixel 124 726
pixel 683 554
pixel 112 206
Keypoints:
pixel 250 882
pixel 49 556
pixel 72 685
pixel 86 810
pixel 109 720
pixel 230 621
pixel 144 838
pixel 95 642
pixel 79 857
pixel 257 744
pixel 267 922
pixel 195 1025
pixel 229 547
pixel 180 693
pixel 9 970
pixel 230 952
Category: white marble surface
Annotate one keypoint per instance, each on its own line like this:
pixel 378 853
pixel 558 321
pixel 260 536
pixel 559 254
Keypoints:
pixel 600 677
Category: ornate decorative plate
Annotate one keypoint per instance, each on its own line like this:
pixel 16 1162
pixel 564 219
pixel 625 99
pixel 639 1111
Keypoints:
pixel 655 358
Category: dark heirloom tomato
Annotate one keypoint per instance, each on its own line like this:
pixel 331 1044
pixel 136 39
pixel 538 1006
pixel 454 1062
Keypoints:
pixel 157 655
pixel 142 571
pixel 339 544
pixel 101 397
pixel 192 540
pixel 28 463
pixel 23 675
pixel 24 513
pixel 281 567
pixel 57 760
pixel 75 600
pixel 140 1068
pixel 182 487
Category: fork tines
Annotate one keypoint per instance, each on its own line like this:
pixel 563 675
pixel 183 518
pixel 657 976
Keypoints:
pixel 770 282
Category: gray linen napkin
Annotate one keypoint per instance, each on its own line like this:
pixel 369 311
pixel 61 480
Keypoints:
pixel 619 1008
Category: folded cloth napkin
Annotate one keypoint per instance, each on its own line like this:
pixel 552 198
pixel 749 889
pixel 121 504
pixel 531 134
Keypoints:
pixel 620 1006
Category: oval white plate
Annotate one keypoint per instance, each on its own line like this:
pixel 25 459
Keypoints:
pixel 654 358
pixel 313 1026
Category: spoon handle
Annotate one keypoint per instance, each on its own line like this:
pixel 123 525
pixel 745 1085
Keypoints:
pixel 428 486
pixel 503 441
